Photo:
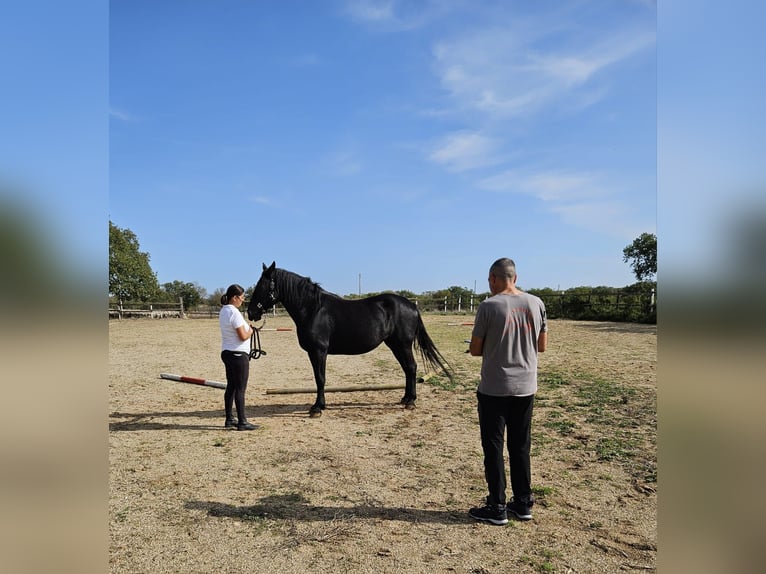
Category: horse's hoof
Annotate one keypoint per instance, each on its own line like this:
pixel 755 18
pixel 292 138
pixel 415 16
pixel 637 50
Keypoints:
pixel 409 406
pixel 315 414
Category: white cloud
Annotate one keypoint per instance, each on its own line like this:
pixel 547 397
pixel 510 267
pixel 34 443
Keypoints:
pixel 580 199
pixel 608 217
pixel 262 200
pixel 507 72
pixel 401 15
pixel 306 61
pixel 546 186
pixel 343 164
pixel 460 151
pixel 577 68
pixel 122 115
pixel 370 10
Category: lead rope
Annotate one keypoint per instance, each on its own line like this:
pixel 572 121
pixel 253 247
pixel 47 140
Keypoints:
pixel 255 343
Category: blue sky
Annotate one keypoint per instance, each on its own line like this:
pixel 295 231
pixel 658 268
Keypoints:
pixel 410 142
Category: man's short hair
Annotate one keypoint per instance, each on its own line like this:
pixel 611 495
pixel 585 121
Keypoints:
pixel 504 268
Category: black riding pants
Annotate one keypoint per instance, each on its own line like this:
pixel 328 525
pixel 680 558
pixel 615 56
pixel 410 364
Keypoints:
pixel 496 415
pixel 237 372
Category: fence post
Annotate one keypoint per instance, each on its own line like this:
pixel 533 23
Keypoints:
pixel 445 303
pixel 181 304
pixel 471 302
pixel 459 303
pixel 561 303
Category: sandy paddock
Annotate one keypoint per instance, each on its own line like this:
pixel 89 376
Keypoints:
pixel 370 486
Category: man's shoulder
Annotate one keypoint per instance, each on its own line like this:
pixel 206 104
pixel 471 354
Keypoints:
pixel 534 299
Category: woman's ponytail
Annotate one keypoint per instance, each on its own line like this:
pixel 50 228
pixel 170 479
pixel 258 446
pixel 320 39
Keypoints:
pixel 232 291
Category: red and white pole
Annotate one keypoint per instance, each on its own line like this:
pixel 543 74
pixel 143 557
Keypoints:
pixel 193 380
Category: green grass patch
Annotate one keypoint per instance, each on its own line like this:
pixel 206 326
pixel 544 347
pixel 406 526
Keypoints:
pixel 542 491
pixel 456 383
pixel 600 392
pixel 618 420
pixel 553 380
pixel 557 423
pixel 616 448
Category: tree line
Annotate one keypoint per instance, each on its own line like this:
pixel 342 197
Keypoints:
pixel 131 279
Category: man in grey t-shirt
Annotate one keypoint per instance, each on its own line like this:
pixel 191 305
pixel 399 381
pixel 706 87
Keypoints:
pixel 509 331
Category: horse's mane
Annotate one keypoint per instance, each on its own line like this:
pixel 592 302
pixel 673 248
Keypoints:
pixel 294 287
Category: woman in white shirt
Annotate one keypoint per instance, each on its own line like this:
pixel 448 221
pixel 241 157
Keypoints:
pixel 235 354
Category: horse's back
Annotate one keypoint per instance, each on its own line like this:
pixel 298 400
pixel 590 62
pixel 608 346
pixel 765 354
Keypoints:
pixel 388 304
pixel 358 326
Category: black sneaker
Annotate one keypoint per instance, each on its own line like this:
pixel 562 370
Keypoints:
pixel 519 510
pixel 247 426
pixel 492 513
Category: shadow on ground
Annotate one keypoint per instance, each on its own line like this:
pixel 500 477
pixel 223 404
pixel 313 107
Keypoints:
pixel 637 328
pixel 213 419
pixel 296 507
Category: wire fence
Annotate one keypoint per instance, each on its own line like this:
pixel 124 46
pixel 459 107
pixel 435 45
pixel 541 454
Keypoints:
pixel 597 304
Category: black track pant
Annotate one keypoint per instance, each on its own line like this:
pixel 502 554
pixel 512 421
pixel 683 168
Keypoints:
pixel 237 372
pixel 496 415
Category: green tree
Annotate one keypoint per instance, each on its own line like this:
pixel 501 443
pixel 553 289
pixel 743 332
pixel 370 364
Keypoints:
pixel 642 255
pixel 215 298
pixel 191 293
pixel 130 276
pixel 456 292
pixel 406 294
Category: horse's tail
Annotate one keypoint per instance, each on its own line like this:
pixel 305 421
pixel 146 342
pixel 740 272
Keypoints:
pixel 428 351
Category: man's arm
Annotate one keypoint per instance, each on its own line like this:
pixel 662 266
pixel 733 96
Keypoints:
pixel 542 341
pixel 476 346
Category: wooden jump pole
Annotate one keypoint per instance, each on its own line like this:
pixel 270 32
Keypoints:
pixel 193 380
pixel 334 389
pixel 350 389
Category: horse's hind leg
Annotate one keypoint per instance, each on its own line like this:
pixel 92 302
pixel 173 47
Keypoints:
pixel 318 364
pixel 403 354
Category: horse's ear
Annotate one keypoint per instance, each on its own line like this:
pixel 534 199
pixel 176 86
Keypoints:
pixel 264 266
pixel 273 266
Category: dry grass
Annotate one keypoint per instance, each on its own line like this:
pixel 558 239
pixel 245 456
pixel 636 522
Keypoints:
pixel 371 487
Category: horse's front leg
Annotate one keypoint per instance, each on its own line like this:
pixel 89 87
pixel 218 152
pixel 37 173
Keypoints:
pixel 318 363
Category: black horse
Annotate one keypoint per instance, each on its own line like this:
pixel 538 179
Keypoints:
pixel 326 323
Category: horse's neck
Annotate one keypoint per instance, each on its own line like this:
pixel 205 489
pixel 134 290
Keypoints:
pixel 298 302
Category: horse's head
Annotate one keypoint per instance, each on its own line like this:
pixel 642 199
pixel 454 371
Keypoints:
pixel 264 295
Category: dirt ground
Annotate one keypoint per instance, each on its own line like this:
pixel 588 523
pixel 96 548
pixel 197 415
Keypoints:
pixel 370 486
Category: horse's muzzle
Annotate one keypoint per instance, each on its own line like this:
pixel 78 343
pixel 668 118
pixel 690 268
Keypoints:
pixel 255 312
